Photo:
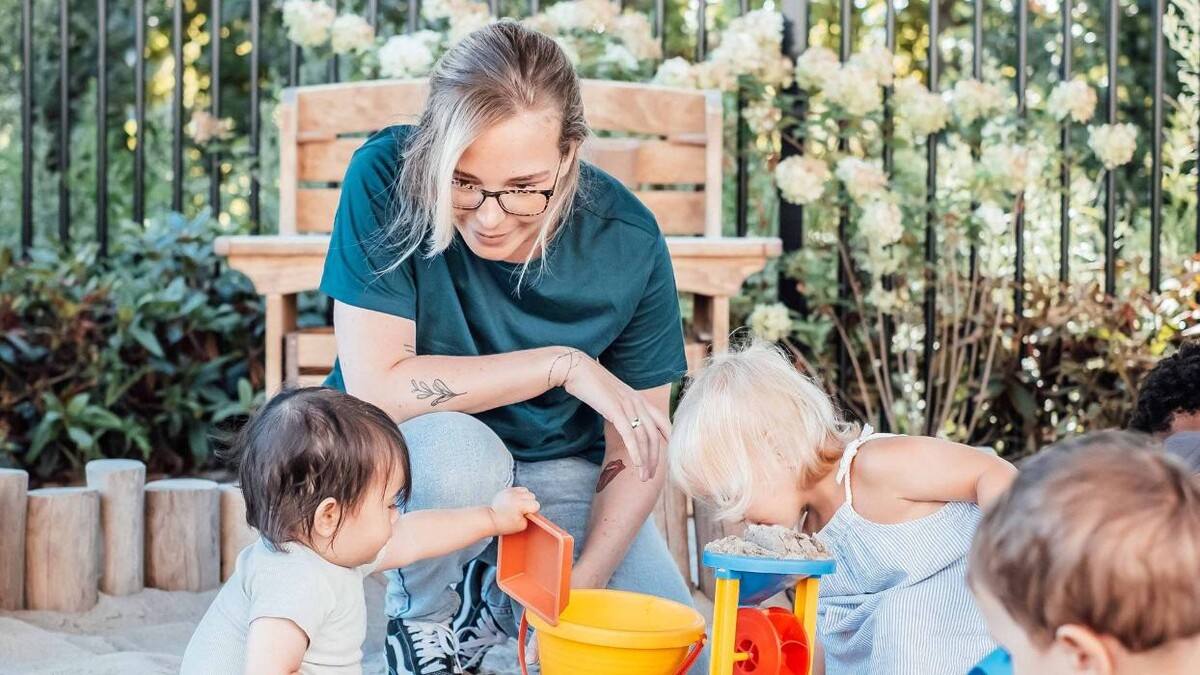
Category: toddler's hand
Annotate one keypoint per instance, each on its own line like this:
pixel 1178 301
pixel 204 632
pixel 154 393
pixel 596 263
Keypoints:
pixel 509 508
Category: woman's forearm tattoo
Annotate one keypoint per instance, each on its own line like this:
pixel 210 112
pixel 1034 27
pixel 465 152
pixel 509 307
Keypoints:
pixel 561 367
pixel 608 474
pixel 438 391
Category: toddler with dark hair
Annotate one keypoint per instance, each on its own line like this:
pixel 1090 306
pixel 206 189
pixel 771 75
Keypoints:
pixel 324 474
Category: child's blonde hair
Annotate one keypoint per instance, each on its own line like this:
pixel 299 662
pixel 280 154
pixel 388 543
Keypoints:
pixel 749 414
pixel 1102 531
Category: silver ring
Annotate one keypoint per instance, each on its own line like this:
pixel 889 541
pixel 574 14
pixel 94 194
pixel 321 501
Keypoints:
pixel 635 422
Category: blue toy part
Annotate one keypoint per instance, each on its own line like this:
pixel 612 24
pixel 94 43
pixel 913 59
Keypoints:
pixel 762 578
pixel 997 663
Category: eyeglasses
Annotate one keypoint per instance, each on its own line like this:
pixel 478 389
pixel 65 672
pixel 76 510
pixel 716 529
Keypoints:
pixel 513 202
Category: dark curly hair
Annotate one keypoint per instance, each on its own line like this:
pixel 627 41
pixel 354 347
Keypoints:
pixel 1173 386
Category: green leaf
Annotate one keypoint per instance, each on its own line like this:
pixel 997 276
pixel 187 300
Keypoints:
pixel 81 438
pixel 77 405
pixel 198 441
pixel 245 393
pixel 42 435
pixel 146 339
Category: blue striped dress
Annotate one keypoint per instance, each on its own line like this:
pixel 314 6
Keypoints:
pixel 898 603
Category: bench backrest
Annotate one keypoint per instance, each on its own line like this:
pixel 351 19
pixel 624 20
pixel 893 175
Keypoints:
pixel 665 144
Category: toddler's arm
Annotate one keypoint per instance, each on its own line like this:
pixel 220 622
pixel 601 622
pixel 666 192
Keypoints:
pixel 923 469
pixel 428 534
pixel 274 646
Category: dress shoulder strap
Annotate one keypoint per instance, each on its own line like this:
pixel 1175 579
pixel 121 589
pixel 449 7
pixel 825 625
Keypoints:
pixel 851 451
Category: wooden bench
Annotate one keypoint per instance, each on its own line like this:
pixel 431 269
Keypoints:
pixel 664 144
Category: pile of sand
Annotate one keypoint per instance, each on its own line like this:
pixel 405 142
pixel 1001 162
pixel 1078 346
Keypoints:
pixel 771 541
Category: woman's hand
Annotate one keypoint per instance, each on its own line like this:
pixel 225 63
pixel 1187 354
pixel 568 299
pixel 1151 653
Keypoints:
pixel 644 429
pixel 509 508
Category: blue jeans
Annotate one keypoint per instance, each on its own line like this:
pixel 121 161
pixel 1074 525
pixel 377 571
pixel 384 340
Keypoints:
pixel 457 461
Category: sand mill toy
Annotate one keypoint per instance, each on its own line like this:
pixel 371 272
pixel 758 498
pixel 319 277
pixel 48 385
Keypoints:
pixel 601 632
pixel 749 640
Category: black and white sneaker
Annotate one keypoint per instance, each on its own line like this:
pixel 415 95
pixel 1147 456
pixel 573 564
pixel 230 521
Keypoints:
pixel 421 648
pixel 474 625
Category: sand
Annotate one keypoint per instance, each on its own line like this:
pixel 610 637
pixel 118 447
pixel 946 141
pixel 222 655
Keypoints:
pixel 771 541
pixel 146 633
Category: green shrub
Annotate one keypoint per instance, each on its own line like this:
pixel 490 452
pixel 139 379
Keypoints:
pixel 143 354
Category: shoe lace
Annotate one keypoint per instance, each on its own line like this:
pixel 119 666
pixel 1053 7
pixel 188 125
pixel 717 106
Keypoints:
pixel 475 640
pixel 432 642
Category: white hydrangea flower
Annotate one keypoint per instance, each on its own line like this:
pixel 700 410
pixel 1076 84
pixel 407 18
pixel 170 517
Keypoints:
pixel 408 55
pixel 1007 166
pixel 865 181
pixel 351 33
pixel 435 10
pixel 881 223
pixel 802 179
pixel 636 33
pixel 715 75
pixel 619 56
pixel 308 22
pixel 814 68
pixel 596 15
pixel 675 72
pixel 974 100
pixel 923 111
pixel 762 116
pixel 854 90
pixel 467 18
pixel 777 72
pixel 771 322
pixel 1075 99
pixel 1114 144
pixel 876 60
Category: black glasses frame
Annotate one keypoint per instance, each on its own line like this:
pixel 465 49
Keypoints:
pixel 497 194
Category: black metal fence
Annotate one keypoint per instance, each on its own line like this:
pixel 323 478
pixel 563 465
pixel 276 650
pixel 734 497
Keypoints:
pixel 797 15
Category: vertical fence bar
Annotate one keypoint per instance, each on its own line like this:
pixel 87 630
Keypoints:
pixel 214 160
pixel 1064 146
pixel 255 139
pixel 414 14
pixel 373 12
pixel 889 281
pixel 1110 177
pixel 26 125
pixel 1156 170
pixel 977 73
pixel 843 234
pixel 1022 84
pixel 102 126
pixel 931 144
pixel 177 109
pixel 494 7
pixel 791 216
pixel 139 113
pixel 660 21
pixel 534 6
pixel 701 29
pixel 331 68
pixel 293 77
pixel 743 139
pixel 64 122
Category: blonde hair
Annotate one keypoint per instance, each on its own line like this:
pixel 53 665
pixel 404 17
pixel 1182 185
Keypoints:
pixel 747 415
pixel 494 73
pixel 1101 531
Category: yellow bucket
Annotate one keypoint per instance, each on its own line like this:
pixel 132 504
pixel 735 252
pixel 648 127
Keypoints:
pixel 603 632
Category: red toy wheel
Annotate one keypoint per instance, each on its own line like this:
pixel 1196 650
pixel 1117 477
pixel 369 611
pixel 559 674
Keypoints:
pixel 756 636
pixel 794 651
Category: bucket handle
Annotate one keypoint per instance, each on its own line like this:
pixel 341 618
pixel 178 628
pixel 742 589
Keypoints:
pixel 688 662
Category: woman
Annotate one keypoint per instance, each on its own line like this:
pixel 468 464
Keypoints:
pixel 478 267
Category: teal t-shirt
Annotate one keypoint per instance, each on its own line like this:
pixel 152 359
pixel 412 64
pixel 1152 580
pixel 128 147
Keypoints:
pixel 608 289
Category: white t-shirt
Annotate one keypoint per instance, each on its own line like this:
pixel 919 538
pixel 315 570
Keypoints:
pixel 325 600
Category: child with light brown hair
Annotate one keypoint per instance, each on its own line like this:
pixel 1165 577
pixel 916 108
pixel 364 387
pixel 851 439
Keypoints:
pixel 1090 564
pixel 765 444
